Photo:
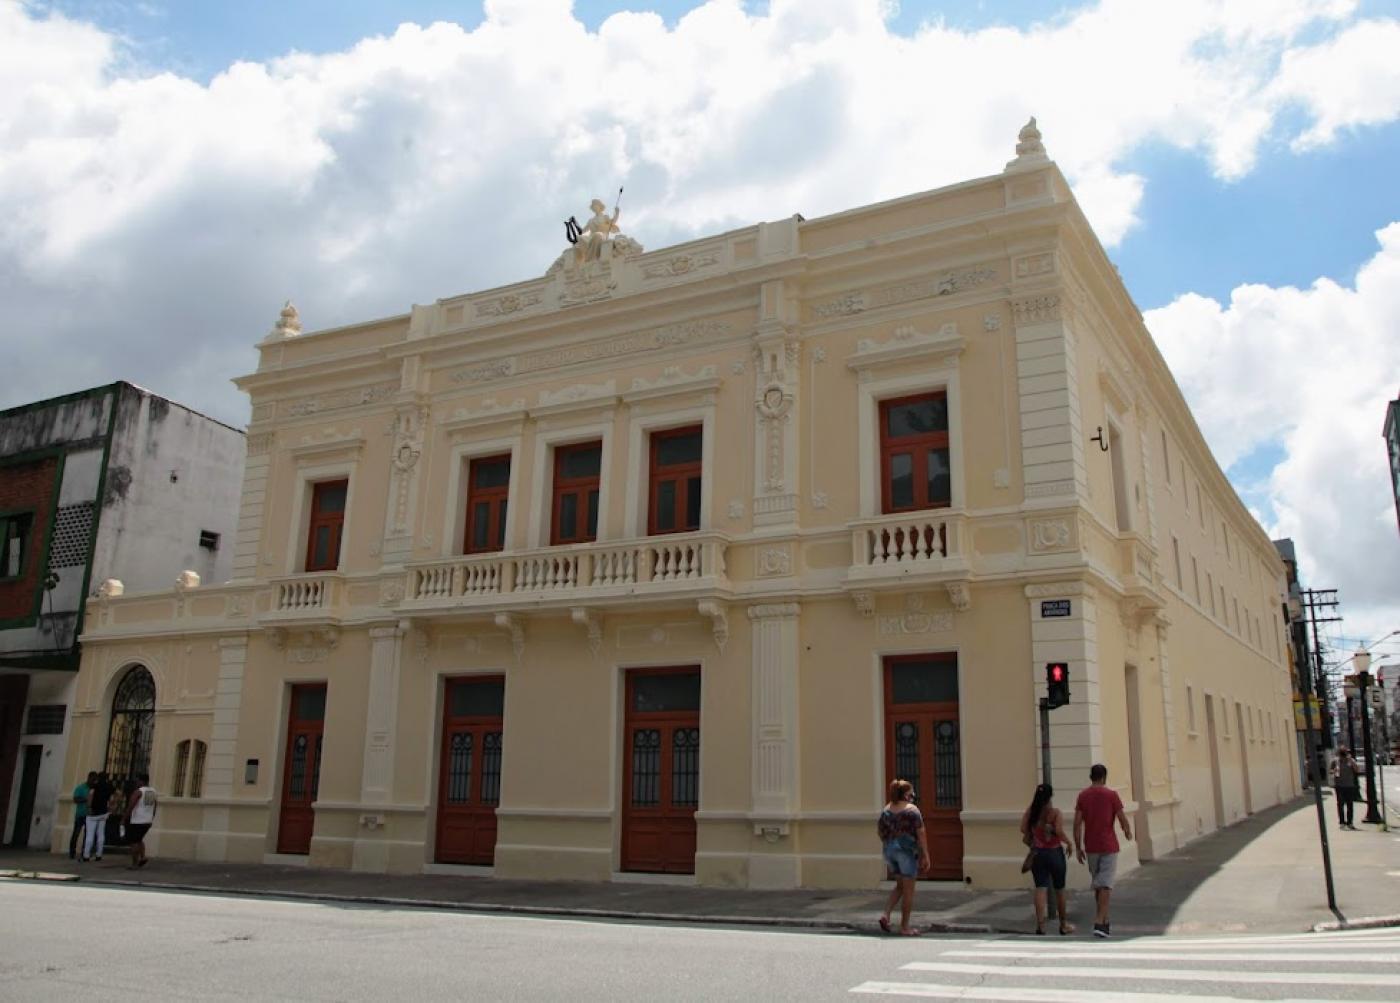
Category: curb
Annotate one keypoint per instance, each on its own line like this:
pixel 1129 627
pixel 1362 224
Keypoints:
pixel 502 908
pixel 454 906
pixel 1363 923
pixel 40 875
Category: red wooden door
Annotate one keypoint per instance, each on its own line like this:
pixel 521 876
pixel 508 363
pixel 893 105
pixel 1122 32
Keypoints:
pixel 469 777
pixel 923 745
pixel 301 771
pixel 661 770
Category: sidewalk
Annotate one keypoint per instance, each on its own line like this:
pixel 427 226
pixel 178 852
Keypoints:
pixel 1261 875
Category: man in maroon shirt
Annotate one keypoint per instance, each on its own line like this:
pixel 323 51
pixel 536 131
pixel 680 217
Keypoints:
pixel 1094 842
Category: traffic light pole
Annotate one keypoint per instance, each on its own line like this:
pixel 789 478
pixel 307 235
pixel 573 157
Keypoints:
pixel 1313 601
pixel 1044 740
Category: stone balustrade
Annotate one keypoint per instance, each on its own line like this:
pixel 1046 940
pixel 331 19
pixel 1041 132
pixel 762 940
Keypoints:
pixel 629 567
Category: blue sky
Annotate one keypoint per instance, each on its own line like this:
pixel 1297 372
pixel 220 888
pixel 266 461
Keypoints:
pixel 1233 233
pixel 1237 161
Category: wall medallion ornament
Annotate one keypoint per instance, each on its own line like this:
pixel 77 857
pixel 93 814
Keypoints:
pixel 1050 534
pixel 775 401
pixel 773 561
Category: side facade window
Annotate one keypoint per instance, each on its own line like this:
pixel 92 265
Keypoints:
pixel 15 530
pixel 676 471
pixel 326 524
pixel 577 476
pixel 182 762
pixel 197 769
pixel 915 470
pixel 488 491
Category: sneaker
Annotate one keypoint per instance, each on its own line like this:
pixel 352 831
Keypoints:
pixel 1101 930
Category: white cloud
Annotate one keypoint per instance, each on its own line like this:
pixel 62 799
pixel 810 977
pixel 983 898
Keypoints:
pixel 150 225
pixel 1311 369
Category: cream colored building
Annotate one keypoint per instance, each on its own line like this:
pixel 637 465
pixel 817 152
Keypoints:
pixel 667 561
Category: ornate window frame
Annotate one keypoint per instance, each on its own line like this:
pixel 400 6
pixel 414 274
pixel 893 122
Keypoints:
pixel 871 391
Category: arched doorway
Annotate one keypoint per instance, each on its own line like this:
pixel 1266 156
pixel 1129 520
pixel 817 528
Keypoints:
pixel 129 738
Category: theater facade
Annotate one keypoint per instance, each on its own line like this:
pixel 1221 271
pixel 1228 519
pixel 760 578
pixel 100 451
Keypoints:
pixel 665 562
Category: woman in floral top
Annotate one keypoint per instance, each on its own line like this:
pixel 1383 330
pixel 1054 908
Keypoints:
pixel 905 843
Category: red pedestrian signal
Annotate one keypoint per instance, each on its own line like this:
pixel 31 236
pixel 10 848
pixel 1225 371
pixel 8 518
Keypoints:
pixel 1056 684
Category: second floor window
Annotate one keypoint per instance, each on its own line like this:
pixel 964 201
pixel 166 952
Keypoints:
pixel 914 460
pixel 327 521
pixel 676 470
pixel 488 488
pixel 14 540
pixel 577 469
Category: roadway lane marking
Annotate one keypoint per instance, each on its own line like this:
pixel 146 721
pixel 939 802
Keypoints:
pixel 1302 957
pixel 933 990
pixel 1158 974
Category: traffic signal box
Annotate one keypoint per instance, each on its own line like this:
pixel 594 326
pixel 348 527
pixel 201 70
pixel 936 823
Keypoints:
pixel 1056 684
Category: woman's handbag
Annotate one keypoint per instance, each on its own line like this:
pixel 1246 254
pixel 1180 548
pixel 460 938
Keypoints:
pixel 1030 854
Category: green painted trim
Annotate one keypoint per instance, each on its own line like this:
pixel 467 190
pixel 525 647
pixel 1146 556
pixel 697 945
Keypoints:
pixel 98 506
pixel 63 399
pixel 33 455
pixel 33 617
pixel 67 661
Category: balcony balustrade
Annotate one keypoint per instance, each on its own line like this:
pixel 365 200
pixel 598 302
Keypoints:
pixel 908 545
pixel 651 566
pixel 310 597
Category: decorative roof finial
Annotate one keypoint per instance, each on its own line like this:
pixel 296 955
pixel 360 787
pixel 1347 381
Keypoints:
pixel 289 323
pixel 1030 151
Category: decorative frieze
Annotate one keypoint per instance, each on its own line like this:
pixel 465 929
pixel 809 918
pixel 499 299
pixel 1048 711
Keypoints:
pixel 504 306
pixel 1035 309
pixel 260 443
pixel 1033 264
pixel 916 622
pixel 338 400
pixel 681 264
pixel 670 336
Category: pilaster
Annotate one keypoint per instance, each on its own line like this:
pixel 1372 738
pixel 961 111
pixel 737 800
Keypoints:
pixel 377 778
pixel 775 742
pixel 252 505
pixel 1052 440
pixel 776 386
pixel 220 767
pixel 371 848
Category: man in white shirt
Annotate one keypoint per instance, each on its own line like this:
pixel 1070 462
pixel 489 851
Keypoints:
pixel 140 813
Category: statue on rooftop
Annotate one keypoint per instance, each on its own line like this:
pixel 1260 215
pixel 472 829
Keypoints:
pixel 600 237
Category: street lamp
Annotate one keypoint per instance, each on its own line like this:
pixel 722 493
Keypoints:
pixel 1362 661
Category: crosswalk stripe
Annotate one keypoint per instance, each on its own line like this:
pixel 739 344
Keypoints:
pixel 1303 942
pixel 932 990
pixel 1302 957
pixel 1165 975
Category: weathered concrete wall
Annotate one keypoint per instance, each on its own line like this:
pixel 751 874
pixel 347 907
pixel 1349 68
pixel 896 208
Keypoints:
pixel 172 473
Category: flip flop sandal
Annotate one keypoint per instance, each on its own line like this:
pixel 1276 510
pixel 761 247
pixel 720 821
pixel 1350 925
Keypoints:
pixel 911 933
pixel 885 925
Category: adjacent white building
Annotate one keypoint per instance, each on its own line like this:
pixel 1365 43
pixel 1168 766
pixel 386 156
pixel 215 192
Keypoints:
pixel 113 482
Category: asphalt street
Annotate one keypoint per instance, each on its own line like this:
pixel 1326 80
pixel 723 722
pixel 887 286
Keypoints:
pixel 62 941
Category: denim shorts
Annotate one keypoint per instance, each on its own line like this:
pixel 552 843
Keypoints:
pixel 1048 867
pixel 902 861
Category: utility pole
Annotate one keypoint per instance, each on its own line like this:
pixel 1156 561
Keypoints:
pixel 1314 600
